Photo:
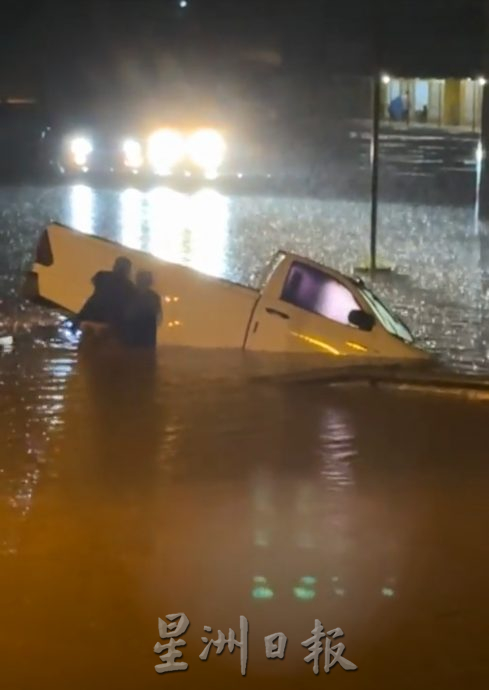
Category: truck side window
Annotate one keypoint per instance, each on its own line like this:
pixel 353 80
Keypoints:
pixel 311 289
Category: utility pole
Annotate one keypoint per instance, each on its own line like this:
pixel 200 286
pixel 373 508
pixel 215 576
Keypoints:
pixel 484 144
pixel 374 165
pixel 483 191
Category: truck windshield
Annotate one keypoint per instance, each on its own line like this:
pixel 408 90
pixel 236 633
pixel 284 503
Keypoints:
pixel 390 322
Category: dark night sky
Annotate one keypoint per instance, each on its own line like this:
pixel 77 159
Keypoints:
pixel 96 50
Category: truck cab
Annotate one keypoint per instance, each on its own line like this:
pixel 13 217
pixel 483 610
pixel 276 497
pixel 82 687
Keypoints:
pixel 306 307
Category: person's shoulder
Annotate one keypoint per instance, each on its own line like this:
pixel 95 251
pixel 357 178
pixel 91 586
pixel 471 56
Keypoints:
pixel 155 297
pixel 101 277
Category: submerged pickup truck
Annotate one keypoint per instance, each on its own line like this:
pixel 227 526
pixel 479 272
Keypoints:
pixel 301 306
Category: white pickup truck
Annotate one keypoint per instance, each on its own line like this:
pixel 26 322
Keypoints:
pixel 301 307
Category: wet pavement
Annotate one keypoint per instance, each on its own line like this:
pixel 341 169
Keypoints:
pixel 132 488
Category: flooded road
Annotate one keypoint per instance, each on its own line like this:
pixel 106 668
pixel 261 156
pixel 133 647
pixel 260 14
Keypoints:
pixel 440 284
pixel 132 488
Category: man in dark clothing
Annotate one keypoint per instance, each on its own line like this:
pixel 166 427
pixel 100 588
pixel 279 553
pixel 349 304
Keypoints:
pixel 113 292
pixel 144 315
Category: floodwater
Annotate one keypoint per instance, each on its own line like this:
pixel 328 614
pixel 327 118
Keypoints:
pixel 132 488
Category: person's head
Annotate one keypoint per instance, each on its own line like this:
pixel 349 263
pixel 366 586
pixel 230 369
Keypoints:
pixel 144 280
pixel 122 266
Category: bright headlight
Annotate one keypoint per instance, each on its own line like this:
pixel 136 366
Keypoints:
pixel 81 149
pixel 133 153
pixel 207 149
pixel 165 149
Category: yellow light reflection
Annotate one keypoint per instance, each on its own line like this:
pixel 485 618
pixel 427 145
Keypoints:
pixel 356 346
pixel 317 343
pixel 81 208
pixel 132 218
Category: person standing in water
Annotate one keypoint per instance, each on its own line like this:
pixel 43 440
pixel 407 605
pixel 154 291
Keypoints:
pixel 112 294
pixel 144 314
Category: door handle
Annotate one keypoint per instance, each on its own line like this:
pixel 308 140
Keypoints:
pixel 275 312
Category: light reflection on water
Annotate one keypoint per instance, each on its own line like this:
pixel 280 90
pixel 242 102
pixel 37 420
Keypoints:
pixel 188 229
pixel 82 208
pixel 337 447
pixel 166 219
pixel 132 219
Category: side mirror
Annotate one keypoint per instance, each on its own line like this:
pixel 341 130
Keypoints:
pixel 363 321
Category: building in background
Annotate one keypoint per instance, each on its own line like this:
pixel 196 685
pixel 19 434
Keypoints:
pixel 436 102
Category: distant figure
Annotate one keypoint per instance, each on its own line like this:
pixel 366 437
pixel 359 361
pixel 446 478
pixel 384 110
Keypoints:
pixel 144 314
pixel 113 292
pixel 396 109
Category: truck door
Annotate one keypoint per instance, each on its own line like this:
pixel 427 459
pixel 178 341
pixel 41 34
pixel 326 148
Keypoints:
pixel 305 308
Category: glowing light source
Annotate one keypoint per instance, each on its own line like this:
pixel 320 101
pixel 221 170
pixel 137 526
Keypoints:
pixel 385 79
pixel 482 81
pixel 133 154
pixel 81 149
pixel 165 149
pixel 207 149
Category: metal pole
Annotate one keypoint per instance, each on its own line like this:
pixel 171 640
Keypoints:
pixel 374 161
pixel 408 94
pixel 483 161
pixel 440 101
pixel 474 104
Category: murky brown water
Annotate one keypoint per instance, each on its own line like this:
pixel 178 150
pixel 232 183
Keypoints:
pixel 133 488
pixel 128 494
